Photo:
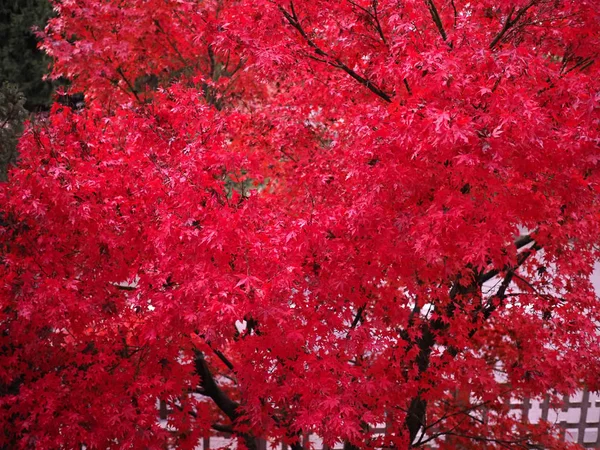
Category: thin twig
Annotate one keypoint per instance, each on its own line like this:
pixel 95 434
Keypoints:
pixel 510 22
pixel 435 15
pixel 293 20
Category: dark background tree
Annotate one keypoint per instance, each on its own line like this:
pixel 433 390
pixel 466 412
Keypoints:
pixel 12 114
pixel 21 62
pixel 22 68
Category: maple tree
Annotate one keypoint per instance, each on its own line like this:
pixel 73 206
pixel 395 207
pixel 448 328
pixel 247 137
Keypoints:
pixel 282 217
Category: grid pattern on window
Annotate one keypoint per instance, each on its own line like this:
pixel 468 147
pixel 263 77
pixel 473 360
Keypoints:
pixel 579 420
pixel 579 417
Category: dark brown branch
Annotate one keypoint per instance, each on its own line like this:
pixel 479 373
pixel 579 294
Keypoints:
pixel 232 72
pixel 374 16
pixel 582 64
pixel 350 446
pixel 170 42
pixel 495 301
pixel 510 22
pixel 378 26
pixel 407 86
pixel 523 240
pixel 435 15
pixel 296 445
pixel 448 414
pixel 229 407
pixel 365 82
pixel 212 390
pixel 125 288
pixel 521 257
pixel 455 11
pixel 504 30
pixel 416 414
pixel 287 155
pixel 417 410
pixel 129 85
pixel 358 317
pixel 222 428
pixel 214 73
pixel 437 435
pixel 521 443
pixel 217 352
pixel 223 358
pixel 293 20
pixel 415 417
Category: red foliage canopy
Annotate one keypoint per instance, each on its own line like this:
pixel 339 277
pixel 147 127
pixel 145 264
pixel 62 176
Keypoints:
pixel 304 216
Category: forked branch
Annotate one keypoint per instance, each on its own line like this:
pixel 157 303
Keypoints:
pixel 294 21
pixel 373 16
pixel 511 21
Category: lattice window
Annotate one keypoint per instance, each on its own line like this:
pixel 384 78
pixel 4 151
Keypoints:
pixel 579 419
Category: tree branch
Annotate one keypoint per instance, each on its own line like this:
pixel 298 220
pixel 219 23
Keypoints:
pixel 417 410
pixel 435 15
pixel 212 390
pixel 491 305
pixel 358 317
pixel 416 414
pixel 373 15
pixel 497 299
pixel 378 26
pixel 173 46
pixel 129 85
pixel 293 20
pixel 222 428
pixel 229 407
pixel 520 242
pixel 223 358
pixel 581 64
pixel 510 22
pixel 455 11
pixel 523 240
pixel 124 287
